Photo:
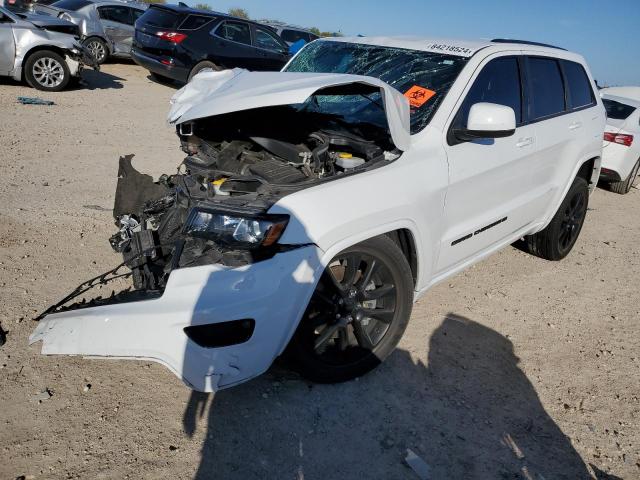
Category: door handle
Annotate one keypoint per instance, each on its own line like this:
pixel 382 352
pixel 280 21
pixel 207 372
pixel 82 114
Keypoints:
pixel 575 125
pixel 523 142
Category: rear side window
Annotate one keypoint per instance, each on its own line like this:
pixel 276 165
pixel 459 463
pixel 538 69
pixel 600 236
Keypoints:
pixel 160 17
pixel 580 92
pixel 71 5
pixel 235 31
pixel 617 110
pixel 546 88
pixel 116 13
pixel 498 82
pixel 293 36
pixel 194 22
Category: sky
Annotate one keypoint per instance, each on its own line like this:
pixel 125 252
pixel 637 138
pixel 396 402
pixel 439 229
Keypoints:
pixel 607 34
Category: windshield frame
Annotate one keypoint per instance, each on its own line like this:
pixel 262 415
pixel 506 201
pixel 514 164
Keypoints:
pixel 458 61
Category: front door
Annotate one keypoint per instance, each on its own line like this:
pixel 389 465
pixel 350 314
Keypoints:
pixel 7 45
pixel 490 180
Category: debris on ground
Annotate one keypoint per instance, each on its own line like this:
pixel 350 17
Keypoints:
pixel 34 101
pixel 417 464
pixel 87 387
pixel 3 336
pixel 42 396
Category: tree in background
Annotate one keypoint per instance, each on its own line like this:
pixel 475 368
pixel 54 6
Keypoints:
pixel 202 6
pixel 239 12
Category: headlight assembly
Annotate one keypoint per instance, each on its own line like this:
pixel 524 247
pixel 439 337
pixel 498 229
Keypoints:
pixel 235 229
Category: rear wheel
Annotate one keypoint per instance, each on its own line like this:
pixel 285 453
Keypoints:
pixel 97 49
pixel 46 70
pixel 201 66
pixel 556 241
pixel 357 314
pixel 622 187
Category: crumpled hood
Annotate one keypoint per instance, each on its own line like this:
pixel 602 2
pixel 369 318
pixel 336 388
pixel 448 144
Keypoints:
pixel 215 93
pixel 44 21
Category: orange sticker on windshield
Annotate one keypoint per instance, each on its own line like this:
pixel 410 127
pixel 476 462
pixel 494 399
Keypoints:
pixel 418 96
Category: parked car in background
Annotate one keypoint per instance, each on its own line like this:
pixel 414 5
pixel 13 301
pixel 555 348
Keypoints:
pixel 291 33
pixel 106 26
pixel 316 204
pixel 177 42
pixel 41 50
pixel 621 152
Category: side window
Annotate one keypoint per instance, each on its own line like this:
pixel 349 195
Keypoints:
pixel 498 82
pixel 545 87
pixel 137 13
pixel 293 36
pixel 116 13
pixel 235 31
pixel 580 92
pixel 267 40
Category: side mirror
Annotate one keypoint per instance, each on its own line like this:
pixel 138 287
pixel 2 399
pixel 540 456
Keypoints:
pixel 488 120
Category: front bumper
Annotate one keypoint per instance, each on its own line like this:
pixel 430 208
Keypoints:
pixel 273 292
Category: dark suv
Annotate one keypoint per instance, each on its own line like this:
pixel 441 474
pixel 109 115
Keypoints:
pixel 177 42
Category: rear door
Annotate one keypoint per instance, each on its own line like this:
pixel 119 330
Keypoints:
pixel 560 130
pixel 232 45
pixel 7 45
pixel 271 52
pixel 117 22
pixel 491 181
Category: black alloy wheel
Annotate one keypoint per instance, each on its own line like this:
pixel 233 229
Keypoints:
pixel 357 314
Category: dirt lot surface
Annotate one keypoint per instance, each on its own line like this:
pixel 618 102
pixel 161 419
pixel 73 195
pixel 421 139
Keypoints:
pixel 517 368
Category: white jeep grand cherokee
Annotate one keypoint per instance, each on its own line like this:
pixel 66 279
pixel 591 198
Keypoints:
pixel 316 204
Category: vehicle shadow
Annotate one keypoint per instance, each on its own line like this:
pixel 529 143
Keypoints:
pixel 167 82
pixel 99 80
pixel 470 412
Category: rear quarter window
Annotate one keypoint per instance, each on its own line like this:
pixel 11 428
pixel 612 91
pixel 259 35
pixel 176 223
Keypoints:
pixel 71 5
pixel 580 92
pixel 546 88
pixel 294 35
pixel 160 17
pixel 617 110
pixel 194 22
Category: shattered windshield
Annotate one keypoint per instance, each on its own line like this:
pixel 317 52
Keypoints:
pixel 424 78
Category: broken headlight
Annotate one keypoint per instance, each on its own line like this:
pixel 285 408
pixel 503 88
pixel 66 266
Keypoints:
pixel 236 230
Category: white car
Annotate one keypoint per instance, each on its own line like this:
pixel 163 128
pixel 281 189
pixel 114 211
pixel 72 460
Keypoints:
pixel 621 147
pixel 316 204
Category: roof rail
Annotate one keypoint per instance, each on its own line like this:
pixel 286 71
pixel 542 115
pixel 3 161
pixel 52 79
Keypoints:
pixel 525 42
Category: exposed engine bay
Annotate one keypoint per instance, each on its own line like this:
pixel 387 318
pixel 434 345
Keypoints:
pixel 239 163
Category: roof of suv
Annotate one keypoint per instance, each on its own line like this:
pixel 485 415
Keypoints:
pixel 463 48
pixel 195 11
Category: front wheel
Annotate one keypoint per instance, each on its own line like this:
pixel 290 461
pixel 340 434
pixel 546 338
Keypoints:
pixel 47 71
pixel 558 238
pixel 357 314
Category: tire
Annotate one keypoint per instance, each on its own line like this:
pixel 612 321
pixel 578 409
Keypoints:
pixel 357 314
pixel 622 187
pixel 97 49
pixel 47 71
pixel 558 238
pixel 201 66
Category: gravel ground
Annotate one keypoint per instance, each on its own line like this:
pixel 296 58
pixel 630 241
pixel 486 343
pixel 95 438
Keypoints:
pixel 517 368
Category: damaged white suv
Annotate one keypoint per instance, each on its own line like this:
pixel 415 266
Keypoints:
pixel 316 204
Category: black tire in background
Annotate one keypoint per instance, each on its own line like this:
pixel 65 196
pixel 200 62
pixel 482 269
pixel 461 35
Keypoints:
pixel 47 71
pixel 558 238
pixel 623 186
pixel 201 66
pixel 97 49
pixel 357 314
